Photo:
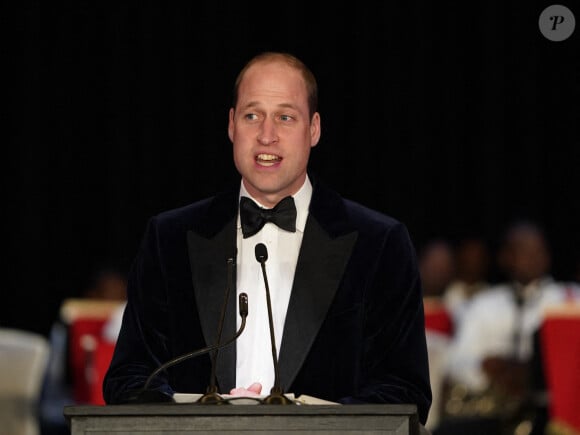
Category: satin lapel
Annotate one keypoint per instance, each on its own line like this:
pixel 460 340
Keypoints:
pixel 319 270
pixel 208 260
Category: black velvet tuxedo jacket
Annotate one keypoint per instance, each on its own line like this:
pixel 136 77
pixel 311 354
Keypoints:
pixel 354 330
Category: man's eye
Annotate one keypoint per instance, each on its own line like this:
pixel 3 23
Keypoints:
pixel 250 116
pixel 285 117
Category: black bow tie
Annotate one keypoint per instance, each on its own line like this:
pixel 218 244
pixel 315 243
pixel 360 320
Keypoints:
pixel 253 217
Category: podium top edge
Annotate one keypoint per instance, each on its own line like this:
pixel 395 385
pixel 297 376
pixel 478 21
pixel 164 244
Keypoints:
pixel 168 409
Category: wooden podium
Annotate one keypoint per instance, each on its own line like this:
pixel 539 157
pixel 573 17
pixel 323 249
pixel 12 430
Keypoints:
pixel 171 418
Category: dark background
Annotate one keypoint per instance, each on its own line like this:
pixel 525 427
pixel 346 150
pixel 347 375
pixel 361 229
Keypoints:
pixel 454 119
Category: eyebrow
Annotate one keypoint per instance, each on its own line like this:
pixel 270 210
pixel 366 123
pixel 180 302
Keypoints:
pixel 281 105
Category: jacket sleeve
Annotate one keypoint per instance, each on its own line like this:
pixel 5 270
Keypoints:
pixel 395 366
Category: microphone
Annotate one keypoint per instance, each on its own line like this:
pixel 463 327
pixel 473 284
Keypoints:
pixel 276 396
pixel 144 395
pixel 211 395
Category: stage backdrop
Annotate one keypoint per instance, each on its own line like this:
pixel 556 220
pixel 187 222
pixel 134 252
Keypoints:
pixel 454 119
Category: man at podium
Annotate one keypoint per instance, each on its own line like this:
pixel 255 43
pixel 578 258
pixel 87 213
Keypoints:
pixel 339 313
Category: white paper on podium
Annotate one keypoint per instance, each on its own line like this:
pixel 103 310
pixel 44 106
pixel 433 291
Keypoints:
pixel 241 400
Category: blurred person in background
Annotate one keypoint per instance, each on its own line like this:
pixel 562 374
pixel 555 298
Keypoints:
pixel 107 281
pixel 472 258
pixel 436 267
pixel 489 361
pixel 437 271
pixel 110 284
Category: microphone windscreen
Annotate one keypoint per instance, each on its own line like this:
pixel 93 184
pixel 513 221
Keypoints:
pixel 243 302
pixel 261 253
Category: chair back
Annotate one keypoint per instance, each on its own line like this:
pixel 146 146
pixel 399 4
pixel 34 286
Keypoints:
pixel 86 320
pixel 560 342
pixel 24 357
pixel 437 316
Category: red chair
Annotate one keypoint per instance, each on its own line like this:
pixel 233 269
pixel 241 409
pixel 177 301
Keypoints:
pixel 101 360
pixel 560 346
pixel 85 319
pixel 437 317
pixel 84 335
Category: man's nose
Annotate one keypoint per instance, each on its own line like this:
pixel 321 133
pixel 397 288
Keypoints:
pixel 268 132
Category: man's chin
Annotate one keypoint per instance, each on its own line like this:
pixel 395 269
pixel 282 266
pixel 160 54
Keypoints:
pixel 269 192
pixel 272 185
pixel 264 185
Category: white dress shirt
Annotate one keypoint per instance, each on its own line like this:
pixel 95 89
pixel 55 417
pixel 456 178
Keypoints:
pixel 254 352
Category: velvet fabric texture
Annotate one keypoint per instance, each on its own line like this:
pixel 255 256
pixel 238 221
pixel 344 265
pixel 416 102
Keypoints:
pixel 354 331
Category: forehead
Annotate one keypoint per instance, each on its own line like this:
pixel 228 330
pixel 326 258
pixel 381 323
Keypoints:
pixel 272 79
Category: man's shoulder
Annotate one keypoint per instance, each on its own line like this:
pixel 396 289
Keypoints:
pixel 205 214
pixel 331 206
pixel 180 218
pixel 365 215
pixel 186 211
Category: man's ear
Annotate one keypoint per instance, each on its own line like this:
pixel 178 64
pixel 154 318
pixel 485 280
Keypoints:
pixel 231 125
pixel 315 129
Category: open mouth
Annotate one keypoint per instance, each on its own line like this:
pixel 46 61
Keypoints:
pixel 268 159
